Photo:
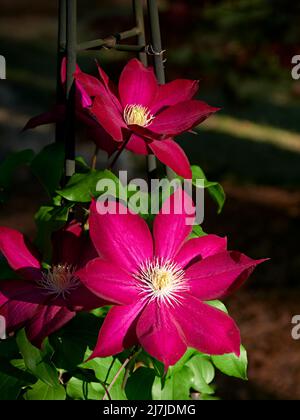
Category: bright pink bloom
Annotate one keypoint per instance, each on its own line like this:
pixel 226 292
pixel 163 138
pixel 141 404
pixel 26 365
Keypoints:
pixel 41 300
pixel 145 114
pixel 83 102
pixel 160 285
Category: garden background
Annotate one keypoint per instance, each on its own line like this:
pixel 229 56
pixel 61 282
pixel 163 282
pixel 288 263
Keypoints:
pixel 241 51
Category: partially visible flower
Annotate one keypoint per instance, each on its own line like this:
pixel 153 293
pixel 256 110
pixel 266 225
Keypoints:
pixel 161 286
pixel 147 115
pixel 42 300
pixel 83 102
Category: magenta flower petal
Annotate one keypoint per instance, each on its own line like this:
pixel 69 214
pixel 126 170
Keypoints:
pixel 55 115
pixel 137 145
pixel 123 239
pixel 111 89
pixel 216 276
pixel 160 335
pixel 172 155
pixel 23 291
pixel 137 84
pixel 15 250
pixel 118 331
pixel 207 329
pixel 46 321
pixel 170 229
pixel 181 117
pixel 199 248
pixel 174 92
pixel 17 314
pixel 109 282
pixel 67 244
pixel 109 117
pixel 82 299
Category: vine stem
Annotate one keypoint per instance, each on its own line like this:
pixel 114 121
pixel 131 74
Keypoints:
pixel 107 393
pixel 94 158
pixel 120 151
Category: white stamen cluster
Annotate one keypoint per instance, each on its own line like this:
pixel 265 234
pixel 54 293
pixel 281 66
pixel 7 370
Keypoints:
pixel 161 279
pixel 138 115
pixel 59 280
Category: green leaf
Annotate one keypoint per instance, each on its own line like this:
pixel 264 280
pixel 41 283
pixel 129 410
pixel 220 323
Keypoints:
pixel 44 392
pixel 10 386
pixel 82 187
pixel 176 387
pixel 231 365
pixel 48 166
pixel 215 190
pixel 106 370
pixel 203 373
pixel 82 390
pixel 37 362
pixel 78 335
pixel 9 166
pixel 218 305
pixel 49 219
pixel 197 232
pixel 139 384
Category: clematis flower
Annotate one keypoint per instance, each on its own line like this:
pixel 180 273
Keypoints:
pixel 83 102
pixel 161 284
pixel 146 115
pixel 41 300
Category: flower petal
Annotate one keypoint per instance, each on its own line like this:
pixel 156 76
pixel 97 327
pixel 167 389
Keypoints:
pixel 109 117
pixel 109 282
pixel 46 321
pixel 137 145
pixel 172 155
pixel 122 238
pixel 207 329
pixel 137 84
pixel 181 117
pixel 220 274
pixel 174 92
pixel 82 299
pixel 15 250
pixel 56 115
pixel 102 139
pixel 200 248
pixel 118 331
pixel 17 314
pixel 170 229
pixel 159 334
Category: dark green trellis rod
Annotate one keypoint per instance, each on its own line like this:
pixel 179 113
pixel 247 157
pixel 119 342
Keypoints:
pixel 68 46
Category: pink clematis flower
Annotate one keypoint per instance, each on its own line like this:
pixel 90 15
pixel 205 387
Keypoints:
pixel 161 285
pixel 41 300
pixel 146 115
pixel 83 102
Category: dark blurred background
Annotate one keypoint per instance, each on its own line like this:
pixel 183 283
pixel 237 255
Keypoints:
pixel 241 50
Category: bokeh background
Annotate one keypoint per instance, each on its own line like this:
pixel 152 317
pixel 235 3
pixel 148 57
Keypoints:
pixel 241 51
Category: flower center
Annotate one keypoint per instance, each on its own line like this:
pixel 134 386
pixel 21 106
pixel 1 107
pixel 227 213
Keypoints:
pixel 162 280
pixel 138 115
pixel 60 280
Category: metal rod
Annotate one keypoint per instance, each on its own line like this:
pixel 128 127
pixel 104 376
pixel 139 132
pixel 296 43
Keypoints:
pixel 109 41
pixel 61 42
pixel 71 51
pixel 157 52
pixel 138 7
pixel 156 41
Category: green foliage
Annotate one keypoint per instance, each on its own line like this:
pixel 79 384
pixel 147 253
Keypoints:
pixel 48 166
pixel 82 187
pixel 231 365
pixel 214 189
